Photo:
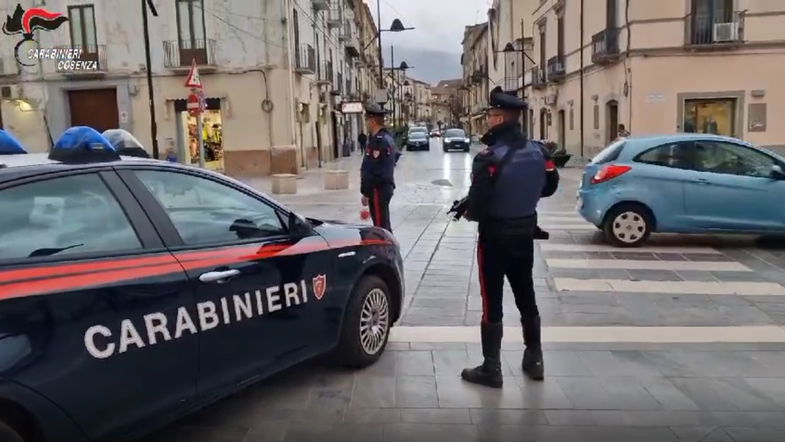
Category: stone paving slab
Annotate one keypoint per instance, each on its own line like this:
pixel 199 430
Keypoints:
pixel 417 395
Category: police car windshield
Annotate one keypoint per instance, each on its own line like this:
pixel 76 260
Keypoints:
pixel 456 133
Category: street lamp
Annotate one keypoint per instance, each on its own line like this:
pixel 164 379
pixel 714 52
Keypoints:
pixel 397 26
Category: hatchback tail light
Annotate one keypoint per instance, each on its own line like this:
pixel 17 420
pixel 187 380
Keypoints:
pixel 609 172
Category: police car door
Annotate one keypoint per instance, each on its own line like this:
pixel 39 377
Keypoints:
pixel 86 288
pixel 251 292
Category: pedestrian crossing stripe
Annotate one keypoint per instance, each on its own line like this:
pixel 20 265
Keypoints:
pixel 557 247
pixel 719 288
pixel 634 264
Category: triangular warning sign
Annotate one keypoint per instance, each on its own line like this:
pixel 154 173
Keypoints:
pixel 193 80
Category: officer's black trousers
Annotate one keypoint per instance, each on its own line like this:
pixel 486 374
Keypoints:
pixel 506 255
pixel 379 206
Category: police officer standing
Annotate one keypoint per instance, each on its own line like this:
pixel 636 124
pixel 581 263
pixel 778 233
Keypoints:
pixel 508 179
pixel 377 181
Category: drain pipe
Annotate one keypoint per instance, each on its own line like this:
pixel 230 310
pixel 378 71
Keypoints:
pixel 583 122
pixel 287 17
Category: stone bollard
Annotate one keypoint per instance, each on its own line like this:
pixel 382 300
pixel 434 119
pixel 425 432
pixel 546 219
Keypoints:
pixel 336 180
pixel 284 184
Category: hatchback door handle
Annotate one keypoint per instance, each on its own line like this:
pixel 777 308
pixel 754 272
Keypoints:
pixel 702 181
pixel 218 277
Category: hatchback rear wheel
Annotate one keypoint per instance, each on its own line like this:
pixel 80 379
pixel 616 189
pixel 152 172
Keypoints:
pixel 628 225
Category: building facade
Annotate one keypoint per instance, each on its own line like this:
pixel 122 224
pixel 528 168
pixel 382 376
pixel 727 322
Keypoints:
pixel 475 88
pixel 707 66
pixel 445 103
pixel 275 75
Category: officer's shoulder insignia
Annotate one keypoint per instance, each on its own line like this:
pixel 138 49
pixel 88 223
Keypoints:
pixel 376 153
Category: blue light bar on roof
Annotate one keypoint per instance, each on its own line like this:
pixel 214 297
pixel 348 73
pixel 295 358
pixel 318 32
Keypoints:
pixel 82 144
pixel 9 145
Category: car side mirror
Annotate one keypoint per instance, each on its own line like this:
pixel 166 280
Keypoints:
pixel 298 226
pixel 777 173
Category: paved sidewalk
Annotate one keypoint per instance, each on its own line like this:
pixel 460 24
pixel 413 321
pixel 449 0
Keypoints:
pixel 682 339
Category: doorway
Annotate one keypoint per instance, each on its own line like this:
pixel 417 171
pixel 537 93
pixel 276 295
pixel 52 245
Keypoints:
pixel 562 129
pixel 613 120
pixel 543 124
pixel 96 108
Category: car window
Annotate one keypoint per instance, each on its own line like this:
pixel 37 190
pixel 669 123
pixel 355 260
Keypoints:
pixel 610 153
pixel 455 133
pixel 206 212
pixel 63 216
pixel 733 159
pixel 676 155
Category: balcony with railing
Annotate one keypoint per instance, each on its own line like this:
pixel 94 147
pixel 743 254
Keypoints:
pixel 180 54
pixel 707 30
pixel 305 60
pixel 345 32
pixel 511 83
pixel 605 46
pixel 335 15
pixel 556 70
pixel 538 77
pixel 321 5
pixel 325 73
pixel 90 61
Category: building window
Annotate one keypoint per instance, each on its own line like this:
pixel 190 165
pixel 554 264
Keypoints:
pixel 706 15
pixel 190 23
pixel 82 19
pixel 710 116
pixel 596 117
pixel 542 48
pixel 572 119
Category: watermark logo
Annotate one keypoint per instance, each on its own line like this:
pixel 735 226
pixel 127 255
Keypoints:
pixel 26 21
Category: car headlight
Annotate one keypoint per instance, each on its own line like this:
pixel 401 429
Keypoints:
pixel 467 141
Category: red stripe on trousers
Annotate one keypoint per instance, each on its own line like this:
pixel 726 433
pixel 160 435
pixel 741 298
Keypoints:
pixel 483 292
pixel 377 208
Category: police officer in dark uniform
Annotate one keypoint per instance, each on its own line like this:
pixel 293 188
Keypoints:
pixel 377 181
pixel 508 179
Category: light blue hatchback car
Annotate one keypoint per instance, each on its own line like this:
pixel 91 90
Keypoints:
pixel 686 183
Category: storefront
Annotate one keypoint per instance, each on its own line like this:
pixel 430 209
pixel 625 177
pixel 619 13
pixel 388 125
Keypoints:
pixel 212 133
pixel 710 116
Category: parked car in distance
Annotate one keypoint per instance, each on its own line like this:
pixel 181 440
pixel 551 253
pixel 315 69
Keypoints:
pixel 418 141
pixel 456 139
pixel 685 183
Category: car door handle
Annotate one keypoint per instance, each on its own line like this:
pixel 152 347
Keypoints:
pixel 218 277
pixel 702 181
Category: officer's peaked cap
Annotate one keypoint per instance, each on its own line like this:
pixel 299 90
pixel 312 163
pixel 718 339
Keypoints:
pixel 503 100
pixel 374 109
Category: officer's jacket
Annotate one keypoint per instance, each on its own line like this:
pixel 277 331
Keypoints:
pixel 514 191
pixel 378 168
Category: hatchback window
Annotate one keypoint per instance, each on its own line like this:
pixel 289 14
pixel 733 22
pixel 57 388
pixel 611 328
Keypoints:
pixel 63 216
pixel 676 155
pixel 207 212
pixel 733 159
pixel 610 153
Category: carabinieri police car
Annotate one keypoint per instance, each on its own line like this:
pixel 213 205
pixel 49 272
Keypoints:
pixel 134 291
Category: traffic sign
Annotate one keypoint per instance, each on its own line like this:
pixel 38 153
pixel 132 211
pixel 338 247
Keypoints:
pixel 194 81
pixel 194 105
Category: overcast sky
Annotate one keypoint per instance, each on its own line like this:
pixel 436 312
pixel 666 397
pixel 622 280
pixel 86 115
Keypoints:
pixel 439 27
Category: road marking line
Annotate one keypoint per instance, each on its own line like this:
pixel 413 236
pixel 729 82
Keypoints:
pixel 556 247
pixel 557 212
pixel 663 335
pixel 670 287
pixel 632 264
pixel 560 219
pixel 585 226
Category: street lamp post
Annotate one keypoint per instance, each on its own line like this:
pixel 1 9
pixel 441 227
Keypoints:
pixel 397 26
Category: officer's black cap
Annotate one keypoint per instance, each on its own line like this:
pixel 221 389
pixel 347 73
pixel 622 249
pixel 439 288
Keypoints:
pixel 373 109
pixel 505 101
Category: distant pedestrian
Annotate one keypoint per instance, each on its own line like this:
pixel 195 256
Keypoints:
pixel 622 132
pixel 362 140
pixel 377 181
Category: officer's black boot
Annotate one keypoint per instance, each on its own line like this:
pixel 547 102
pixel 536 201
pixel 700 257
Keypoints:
pixel 533 365
pixel 490 372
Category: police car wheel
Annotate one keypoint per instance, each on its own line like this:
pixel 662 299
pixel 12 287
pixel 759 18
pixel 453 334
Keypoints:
pixel 366 327
pixel 628 225
pixel 7 434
